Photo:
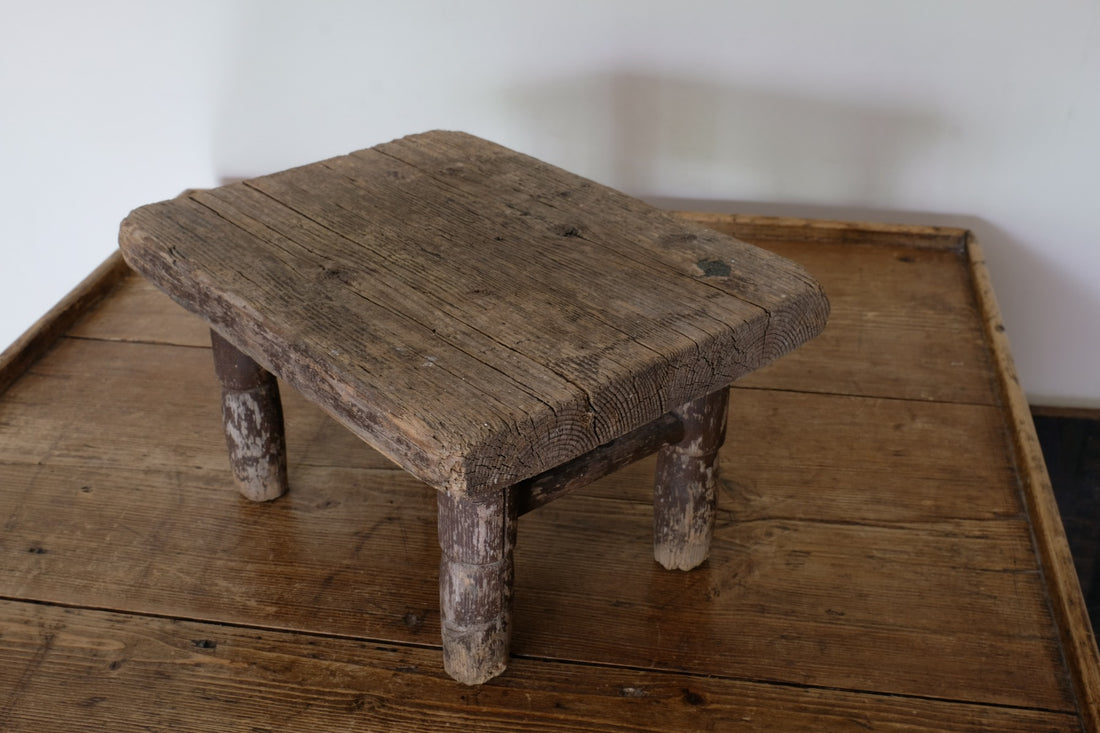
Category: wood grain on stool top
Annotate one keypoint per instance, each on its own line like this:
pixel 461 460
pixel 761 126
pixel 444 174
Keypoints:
pixel 476 315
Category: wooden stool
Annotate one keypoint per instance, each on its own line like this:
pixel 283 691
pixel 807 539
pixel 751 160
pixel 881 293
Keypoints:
pixel 502 329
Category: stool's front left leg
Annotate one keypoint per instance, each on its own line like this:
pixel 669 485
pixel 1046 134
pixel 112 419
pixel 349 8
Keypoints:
pixel 477 536
pixel 253 419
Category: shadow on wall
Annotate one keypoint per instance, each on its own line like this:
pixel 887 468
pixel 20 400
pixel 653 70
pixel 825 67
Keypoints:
pixel 651 134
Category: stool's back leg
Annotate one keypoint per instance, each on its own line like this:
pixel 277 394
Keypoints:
pixel 684 490
pixel 476 573
pixel 253 419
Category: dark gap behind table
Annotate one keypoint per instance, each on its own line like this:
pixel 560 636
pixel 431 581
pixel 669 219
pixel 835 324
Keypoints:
pixel 1070 440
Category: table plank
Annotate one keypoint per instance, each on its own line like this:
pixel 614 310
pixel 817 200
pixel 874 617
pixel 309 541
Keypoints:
pixel 139 312
pixel 905 324
pixel 76 670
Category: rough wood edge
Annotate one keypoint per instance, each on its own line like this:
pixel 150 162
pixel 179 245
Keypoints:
pixel 547 486
pixel 1070 612
pixel 37 340
pixel 764 228
pixel 1073 413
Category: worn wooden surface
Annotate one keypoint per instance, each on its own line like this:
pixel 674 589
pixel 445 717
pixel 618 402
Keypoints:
pixel 537 314
pixel 873 563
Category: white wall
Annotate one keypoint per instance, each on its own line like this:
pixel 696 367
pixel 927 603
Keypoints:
pixel 982 113
pixel 103 106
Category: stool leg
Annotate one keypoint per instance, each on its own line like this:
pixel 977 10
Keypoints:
pixel 477 537
pixel 253 419
pixel 684 490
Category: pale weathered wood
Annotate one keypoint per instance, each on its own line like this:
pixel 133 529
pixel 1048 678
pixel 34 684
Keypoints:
pixel 373 283
pixel 17 357
pixel 252 415
pixel 684 495
pixel 1078 638
pixel 477 536
pixel 601 222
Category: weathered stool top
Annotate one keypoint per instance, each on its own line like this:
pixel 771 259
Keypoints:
pixel 476 315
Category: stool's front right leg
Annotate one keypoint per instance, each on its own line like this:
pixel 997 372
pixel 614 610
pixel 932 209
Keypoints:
pixel 684 494
pixel 477 536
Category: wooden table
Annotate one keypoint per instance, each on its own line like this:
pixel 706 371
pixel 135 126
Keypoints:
pixel 887 553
